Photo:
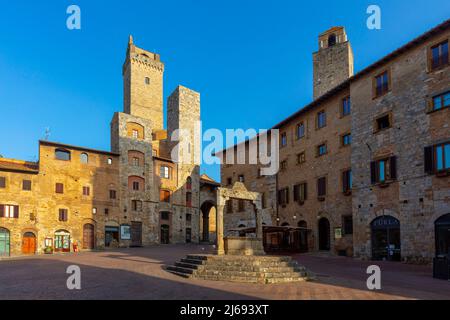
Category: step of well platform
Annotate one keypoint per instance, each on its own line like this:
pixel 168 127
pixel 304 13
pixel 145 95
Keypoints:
pixel 250 269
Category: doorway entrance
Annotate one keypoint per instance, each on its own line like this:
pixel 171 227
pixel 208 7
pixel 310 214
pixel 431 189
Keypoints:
pixel 165 234
pixel 136 234
pixel 442 235
pixel 88 236
pixel 386 239
pixel 4 242
pixel 29 243
pixel 324 234
pixel 111 236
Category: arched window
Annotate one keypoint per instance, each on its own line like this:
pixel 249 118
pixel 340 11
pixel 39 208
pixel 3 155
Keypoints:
pixel 84 158
pixel 136 158
pixel 136 183
pixel 189 183
pixel 135 131
pixel 331 40
pixel 62 154
pixel 147 80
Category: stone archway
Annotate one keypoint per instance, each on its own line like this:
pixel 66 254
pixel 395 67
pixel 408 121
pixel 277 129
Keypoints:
pixel 208 222
pixel 240 245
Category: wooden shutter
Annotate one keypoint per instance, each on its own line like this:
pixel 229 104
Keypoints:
pixel 297 192
pixel 287 195
pixel 305 192
pixel 345 181
pixel 2 211
pixel 429 159
pixel 374 172
pixel 16 212
pixel 393 167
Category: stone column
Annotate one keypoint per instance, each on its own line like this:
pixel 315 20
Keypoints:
pixel 219 225
pixel 258 212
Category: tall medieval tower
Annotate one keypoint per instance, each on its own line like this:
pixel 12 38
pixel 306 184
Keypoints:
pixel 333 63
pixel 142 74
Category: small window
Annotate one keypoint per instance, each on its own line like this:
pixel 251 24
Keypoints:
pixel 347 181
pixel 300 130
pixel 322 187
pixel 2 182
pixel 381 84
pixel 241 178
pixel 189 183
pixel 283 196
pixel 164 215
pixel 136 162
pixel 94 210
pixel 86 191
pixel 165 172
pixel 188 217
pixel 59 188
pixel 283 139
pixel 136 205
pixel 106 211
pixel 321 119
pixel 164 196
pixel 110 161
pixel 112 194
pixel 9 211
pixel 346 106
pixel 136 186
pixel 347 224
pixel 300 192
pixel 383 170
pixel 283 165
pixel 229 181
pixel 383 123
pixel 26 185
pixel 229 206
pixel 147 80
pixel 439 55
pixel 322 149
pixel 84 158
pixel 188 199
pixel 346 139
pixel 241 205
pixel 441 101
pixel 301 158
pixel 437 158
pixel 63 215
pixel 331 40
pixel 63 155
pixel 135 134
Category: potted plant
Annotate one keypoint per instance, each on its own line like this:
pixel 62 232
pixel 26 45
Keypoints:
pixel 48 250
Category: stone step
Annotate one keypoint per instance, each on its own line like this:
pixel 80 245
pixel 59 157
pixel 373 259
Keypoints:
pixel 251 264
pixel 199 273
pixel 249 268
pixel 180 269
pixel 187 265
pixel 180 274
pixel 239 258
pixel 193 261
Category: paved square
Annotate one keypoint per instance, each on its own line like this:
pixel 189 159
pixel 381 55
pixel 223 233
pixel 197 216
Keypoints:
pixel 138 274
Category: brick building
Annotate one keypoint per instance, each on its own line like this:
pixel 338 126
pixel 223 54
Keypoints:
pixel 135 195
pixel 364 168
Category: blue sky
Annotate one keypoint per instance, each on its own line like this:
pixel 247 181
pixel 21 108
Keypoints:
pixel 250 58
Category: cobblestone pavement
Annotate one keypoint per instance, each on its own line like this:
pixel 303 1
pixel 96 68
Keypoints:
pixel 138 274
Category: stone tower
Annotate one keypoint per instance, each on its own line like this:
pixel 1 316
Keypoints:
pixel 183 112
pixel 333 63
pixel 143 85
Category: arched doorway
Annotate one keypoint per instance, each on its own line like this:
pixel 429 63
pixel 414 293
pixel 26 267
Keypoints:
pixel 208 221
pixel 442 235
pixel 386 238
pixel 165 234
pixel 88 236
pixel 324 234
pixel 4 242
pixel 62 241
pixel 303 235
pixel 29 243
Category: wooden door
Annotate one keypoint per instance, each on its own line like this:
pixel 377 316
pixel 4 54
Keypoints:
pixel 88 236
pixel 136 234
pixel 29 243
pixel 165 235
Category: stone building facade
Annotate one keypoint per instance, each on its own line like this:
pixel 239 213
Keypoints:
pixel 140 193
pixel 365 166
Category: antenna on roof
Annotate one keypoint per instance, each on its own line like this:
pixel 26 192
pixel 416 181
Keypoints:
pixel 47 133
